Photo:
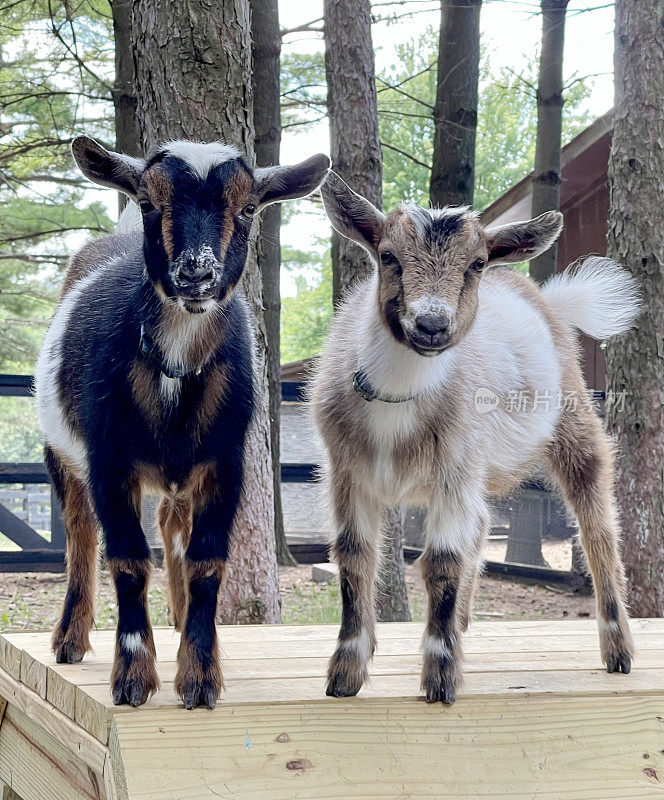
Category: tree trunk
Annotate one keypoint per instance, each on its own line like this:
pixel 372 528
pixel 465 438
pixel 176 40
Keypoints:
pixel 124 99
pixel 266 49
pixel 356 157
pixel 527 523
pixel 392 594
pixel 546 177
pixel 455 111
pixel 635 361
pixel 193 81
pixel 353 110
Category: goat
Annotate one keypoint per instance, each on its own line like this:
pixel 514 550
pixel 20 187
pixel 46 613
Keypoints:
pixel 414 399
pixel 145 379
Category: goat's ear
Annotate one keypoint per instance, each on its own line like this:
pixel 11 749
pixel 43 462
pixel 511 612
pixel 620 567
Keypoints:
pixel 276 184
pixel 108 169
pixel 352 215
pixel 521 241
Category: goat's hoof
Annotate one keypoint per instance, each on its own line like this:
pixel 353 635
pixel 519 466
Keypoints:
pixel 440 694
pixel 69 653
pixel 346 674
pixel 134 682
pixel 343 686
pixel 197 686
pixel 134 692
pixel 617 648
pixel 69 648
pixel 440 680
pixel 620 661
pixel 199 693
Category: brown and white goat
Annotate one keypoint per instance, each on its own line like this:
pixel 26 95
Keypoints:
pixel 445 379
pixel 146 379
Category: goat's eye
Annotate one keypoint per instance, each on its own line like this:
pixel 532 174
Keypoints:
pixel 388 258
pixel 479 264
pixel 249 210
pixel 145 206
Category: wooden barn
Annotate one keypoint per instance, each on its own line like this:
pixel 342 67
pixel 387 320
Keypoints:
pixel 584 201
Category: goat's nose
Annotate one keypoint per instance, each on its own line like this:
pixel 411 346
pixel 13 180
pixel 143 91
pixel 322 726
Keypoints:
pixel 193 272
pixel 432 324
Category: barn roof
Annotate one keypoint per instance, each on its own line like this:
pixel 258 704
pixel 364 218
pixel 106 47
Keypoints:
pixel 584 165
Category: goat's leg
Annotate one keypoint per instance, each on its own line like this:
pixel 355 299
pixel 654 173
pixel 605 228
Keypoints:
pixel 454 529
pixel 175 521
pixel 134 675
pixel 468 582
pixel 581 459
pixel 71 639
pixel 199 680
pixel 358 520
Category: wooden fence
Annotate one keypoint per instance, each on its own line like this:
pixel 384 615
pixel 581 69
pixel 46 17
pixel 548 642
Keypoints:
pixel 33 524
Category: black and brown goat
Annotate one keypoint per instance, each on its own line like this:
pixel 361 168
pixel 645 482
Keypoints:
pixel 446 379
pixel 145 379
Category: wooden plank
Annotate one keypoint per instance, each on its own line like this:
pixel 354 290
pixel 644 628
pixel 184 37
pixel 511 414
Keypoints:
pixel 386 631
pixel 33 673
pixel 519 748
pixel 67 677
pixel 563 683
pixel 32 561
pixel 7 793
pixel 20 533
pixel 31 472
pixel 39 767
pixel 62 729
pixel 10 657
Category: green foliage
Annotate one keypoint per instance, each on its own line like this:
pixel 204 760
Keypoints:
pixel 56 64
pixel 405 121
pixel 505 153
pixel 303 88
pixel 305 318
pixel 506 130
pixel 20 439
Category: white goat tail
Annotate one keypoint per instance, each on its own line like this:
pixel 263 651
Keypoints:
pixel 599 297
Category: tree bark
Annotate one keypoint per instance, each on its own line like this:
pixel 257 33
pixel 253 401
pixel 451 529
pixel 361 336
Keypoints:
pixel 635 361
pixel 266 49
pixel 392 594
pixel 455 111
pixel 124 99
pixel 356 157
pixel 353 111
pixel 546 177
pixel 193 81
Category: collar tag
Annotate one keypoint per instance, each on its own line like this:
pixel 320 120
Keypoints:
pixel 363 387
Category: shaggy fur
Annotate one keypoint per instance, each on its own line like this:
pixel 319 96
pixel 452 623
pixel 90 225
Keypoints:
pixel 442 327
pixel 146 381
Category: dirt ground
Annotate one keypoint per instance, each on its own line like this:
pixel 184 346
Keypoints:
pixel 32 601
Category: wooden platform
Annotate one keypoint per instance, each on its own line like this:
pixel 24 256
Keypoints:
pixel 538 718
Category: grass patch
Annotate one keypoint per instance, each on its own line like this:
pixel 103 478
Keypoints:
pixel 312 605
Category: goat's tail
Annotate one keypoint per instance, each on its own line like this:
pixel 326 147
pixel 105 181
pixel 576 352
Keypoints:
pixel 599 297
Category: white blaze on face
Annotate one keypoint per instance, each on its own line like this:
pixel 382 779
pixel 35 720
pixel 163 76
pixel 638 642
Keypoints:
pixel 201 158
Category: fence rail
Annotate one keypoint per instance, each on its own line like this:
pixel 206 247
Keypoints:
pixel 36 553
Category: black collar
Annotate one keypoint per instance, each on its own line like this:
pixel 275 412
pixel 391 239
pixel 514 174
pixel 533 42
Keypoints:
pixel 363 387
pixel 150 350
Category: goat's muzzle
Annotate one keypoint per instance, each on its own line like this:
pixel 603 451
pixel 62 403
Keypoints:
pixel 195 278
pixel 431 333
